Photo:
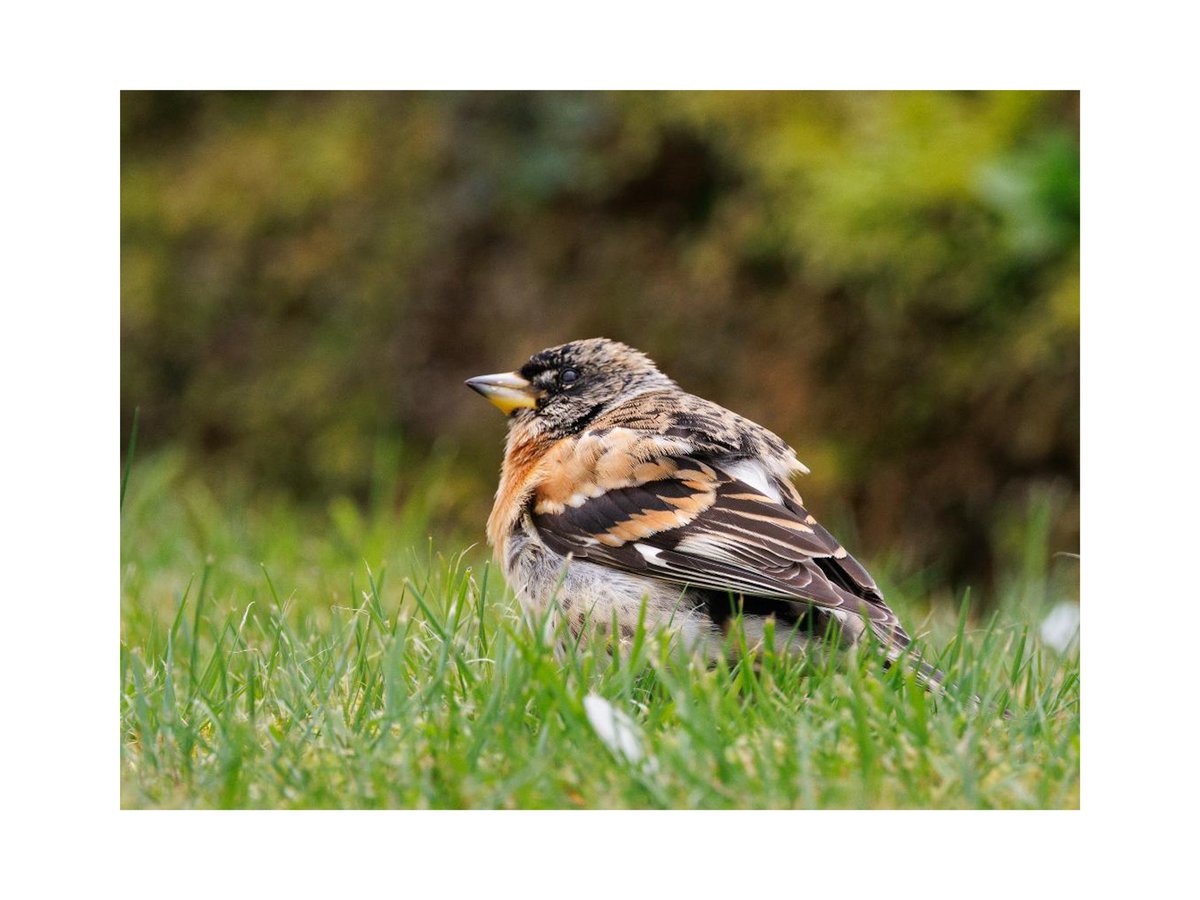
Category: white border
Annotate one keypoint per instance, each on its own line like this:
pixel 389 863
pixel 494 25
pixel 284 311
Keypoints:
pixel 61 384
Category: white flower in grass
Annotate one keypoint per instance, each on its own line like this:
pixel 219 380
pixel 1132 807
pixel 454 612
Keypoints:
pixel 1060 628
pixel 618 732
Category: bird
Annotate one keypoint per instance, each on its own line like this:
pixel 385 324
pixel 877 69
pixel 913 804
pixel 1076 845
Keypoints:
pixel 624 501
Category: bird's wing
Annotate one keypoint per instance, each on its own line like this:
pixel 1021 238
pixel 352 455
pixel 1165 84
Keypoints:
pixel 689 521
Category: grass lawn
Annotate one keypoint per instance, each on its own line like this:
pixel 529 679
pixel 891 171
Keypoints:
pixel 278 659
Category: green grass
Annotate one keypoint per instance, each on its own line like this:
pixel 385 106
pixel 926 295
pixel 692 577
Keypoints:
pixel 280 659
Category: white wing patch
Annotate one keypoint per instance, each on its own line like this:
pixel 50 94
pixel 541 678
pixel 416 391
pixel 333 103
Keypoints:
pixel 755 474
pixel 650 554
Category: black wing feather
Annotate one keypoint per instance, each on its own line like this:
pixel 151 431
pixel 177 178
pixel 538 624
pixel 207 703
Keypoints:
pixel 736 539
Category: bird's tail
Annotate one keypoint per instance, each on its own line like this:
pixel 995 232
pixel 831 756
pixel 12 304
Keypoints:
pixel 897 645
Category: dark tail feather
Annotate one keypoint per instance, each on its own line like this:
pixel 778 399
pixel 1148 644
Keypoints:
pixel 930 677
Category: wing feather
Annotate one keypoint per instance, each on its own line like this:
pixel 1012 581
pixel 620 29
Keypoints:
pixel 701 526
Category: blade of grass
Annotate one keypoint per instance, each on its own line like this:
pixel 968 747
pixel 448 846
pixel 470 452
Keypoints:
pixel 133 433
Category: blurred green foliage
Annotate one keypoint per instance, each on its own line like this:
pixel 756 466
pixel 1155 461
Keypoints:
pixel 888 280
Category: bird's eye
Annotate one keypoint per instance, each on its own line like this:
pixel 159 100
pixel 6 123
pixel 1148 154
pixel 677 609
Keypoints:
pixel 568 377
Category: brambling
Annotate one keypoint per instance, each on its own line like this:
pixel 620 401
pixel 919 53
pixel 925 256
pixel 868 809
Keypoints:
pixel 619 490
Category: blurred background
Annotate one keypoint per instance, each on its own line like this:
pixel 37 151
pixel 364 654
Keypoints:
pixel 890 281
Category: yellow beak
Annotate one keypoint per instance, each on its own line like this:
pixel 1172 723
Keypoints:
pixel 507 391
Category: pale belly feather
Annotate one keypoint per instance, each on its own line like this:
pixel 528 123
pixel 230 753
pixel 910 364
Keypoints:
pixel 588 596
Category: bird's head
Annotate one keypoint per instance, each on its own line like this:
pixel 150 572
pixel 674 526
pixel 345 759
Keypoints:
pixel 561 389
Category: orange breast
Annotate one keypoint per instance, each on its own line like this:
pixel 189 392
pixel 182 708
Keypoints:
pixel 524 462
pixel 552 475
